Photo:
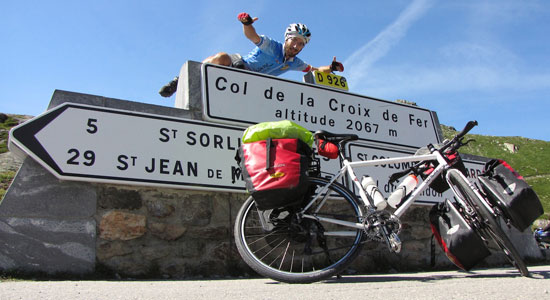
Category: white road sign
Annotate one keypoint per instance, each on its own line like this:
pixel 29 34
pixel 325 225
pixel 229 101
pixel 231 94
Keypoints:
pixel 90 143
pixel 240 97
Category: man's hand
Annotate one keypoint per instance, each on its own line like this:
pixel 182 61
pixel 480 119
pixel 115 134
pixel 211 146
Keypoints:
pixel 336 66
pixel 246 19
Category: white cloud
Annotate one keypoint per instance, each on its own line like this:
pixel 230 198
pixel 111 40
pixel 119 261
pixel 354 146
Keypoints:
pixel 481 62
pixel 461 67
pixel 362 59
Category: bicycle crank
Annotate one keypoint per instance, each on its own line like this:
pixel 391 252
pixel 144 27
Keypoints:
pixel 383 226
pixel 394 243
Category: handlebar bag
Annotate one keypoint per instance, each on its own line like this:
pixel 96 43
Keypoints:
pixel 460 242
pixel 506 188
pixel 275 171
pixel 439 184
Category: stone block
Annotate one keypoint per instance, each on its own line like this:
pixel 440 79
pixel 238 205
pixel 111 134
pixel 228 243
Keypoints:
pixel 51 246
pixel 189 91
pixel 159 208
pixel 115 198
pixel 35 192
pixel 119 225
pixel 59 97
pixel 167 232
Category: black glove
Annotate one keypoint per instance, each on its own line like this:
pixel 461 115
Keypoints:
pixel 336 66
pixel 245 18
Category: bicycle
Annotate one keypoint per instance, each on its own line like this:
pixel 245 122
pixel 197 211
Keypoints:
pixel 320 237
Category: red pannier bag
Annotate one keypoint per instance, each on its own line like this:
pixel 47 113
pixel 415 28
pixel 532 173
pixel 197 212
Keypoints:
pixel 275 171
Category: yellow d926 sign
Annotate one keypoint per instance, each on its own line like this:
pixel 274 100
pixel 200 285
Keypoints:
pixel 331 80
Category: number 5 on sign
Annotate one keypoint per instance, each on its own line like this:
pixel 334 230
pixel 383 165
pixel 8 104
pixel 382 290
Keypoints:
pixel 331 80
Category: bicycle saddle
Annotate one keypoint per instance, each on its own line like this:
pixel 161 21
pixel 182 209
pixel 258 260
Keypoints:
pixel 334 137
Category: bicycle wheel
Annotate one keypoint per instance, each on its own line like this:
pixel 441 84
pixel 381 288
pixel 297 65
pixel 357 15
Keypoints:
pixel 493 228
pixel 291 249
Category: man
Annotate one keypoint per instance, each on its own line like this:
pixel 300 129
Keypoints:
pixel 268 57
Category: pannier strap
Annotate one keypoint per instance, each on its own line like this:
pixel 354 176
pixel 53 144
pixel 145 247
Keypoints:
pixel 268 145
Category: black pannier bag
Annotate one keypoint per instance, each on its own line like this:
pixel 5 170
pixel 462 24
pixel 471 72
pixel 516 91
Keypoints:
pixel 460 242
pixel 439 184
pixel 275 171
pixel 507 189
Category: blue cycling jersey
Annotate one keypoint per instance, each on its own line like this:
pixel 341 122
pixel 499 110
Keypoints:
pixel 269 58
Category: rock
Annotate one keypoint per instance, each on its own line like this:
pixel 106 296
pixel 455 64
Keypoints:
pixel 114 198
pixel 197 211
pixel 112 249
pixel 173 268
pixel 511 148
pixel 118 225
pixel 154 252
pixel 159 209
pixel 167 232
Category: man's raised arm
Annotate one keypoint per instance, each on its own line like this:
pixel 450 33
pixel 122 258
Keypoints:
pixel 249 30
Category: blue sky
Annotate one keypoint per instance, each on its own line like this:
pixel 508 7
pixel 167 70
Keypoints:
pixel 469 59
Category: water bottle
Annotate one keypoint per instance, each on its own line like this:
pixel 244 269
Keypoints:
pixel 403 190
pixel 372 190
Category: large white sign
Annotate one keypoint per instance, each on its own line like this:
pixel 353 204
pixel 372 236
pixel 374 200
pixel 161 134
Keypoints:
pixel 235 96
pixel 90 143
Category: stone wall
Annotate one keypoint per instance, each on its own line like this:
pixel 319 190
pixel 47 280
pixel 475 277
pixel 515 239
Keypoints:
pixel 167 233
pixel 47 226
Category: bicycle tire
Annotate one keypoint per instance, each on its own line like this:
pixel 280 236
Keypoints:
pixel 493 229
pixel 292 251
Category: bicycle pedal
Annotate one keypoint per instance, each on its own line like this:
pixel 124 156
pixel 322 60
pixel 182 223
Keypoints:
pixel 395 242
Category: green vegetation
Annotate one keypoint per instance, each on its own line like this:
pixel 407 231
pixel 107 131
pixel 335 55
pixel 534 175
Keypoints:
pixel 5 180
pixel 4 132
pixel 5 126
pixel 531 160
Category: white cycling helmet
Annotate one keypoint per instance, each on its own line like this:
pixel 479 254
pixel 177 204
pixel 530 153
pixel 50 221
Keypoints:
pixel 299 30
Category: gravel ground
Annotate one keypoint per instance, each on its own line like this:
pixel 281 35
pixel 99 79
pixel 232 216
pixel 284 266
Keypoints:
pixel 481 284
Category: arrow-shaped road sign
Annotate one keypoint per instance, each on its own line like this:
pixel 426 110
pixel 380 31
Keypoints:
pixel 90 143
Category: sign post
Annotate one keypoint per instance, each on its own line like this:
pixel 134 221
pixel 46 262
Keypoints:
pixel 90 143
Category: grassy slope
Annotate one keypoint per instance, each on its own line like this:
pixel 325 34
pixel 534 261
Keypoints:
pixel 6 177
pixel 4 132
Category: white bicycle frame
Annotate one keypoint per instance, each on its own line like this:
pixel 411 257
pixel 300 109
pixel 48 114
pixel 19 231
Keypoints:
pixel 348 168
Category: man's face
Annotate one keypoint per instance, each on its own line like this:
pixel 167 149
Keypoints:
pixel 293 46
